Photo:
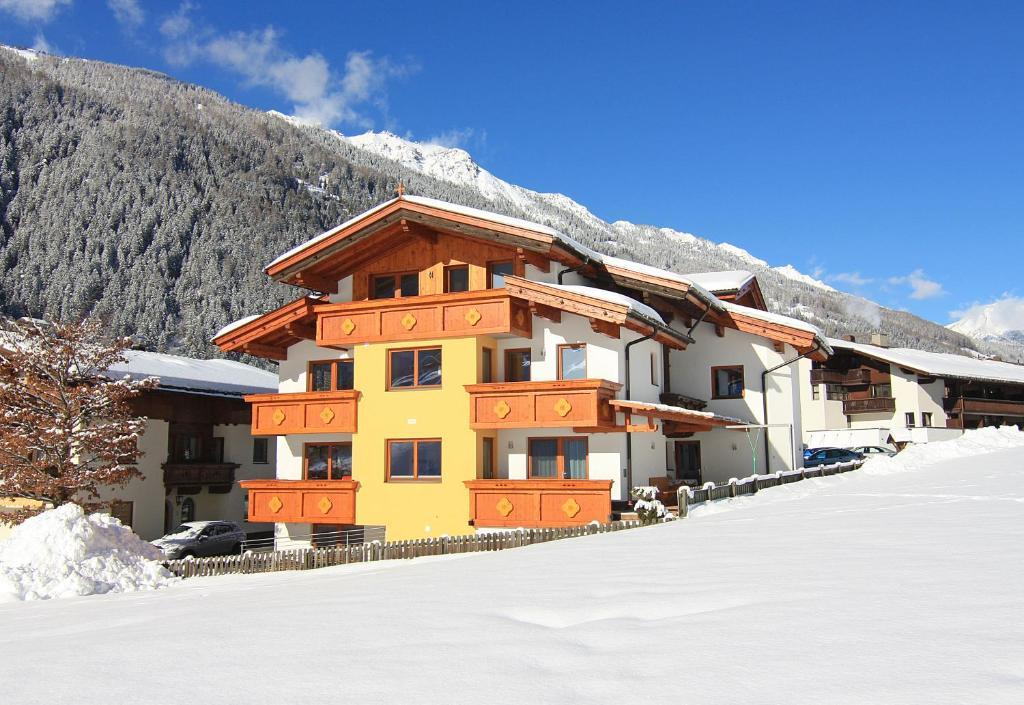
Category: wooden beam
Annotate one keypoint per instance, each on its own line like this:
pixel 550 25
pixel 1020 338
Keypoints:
pixel 316 282
pixel 604 327
pixel 418 230
pixel 306 331
pixel 544 311
pixel 778 346
pixel 267 351
pixel 540 262
pixel 719 330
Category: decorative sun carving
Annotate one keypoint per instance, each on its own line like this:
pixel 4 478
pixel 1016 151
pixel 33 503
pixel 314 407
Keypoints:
pixel 562 407
pixel 473 316
pixel 324 505
pixel 278 417
pixel 327 415
pixel 502 409
pixel 504 507
pixel 348 326
pixel 275 504
pixel 571 508
pixel 408 321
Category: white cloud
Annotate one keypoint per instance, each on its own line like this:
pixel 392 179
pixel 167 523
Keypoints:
pixel 33 10
pixel 851 278
pixel 127 13
pixel 40 43
pixel 460 137
pixel 319 95
pixel 921 286
pixel 1004 314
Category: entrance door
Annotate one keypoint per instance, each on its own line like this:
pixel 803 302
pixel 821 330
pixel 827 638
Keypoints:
pixel 688 462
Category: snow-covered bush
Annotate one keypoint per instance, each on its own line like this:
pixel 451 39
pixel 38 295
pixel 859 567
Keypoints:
pixel 647 506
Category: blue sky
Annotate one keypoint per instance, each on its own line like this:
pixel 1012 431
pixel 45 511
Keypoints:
pixel 878 146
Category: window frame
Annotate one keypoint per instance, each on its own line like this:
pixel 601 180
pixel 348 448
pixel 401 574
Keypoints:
pixel 448 278
pixel 486 441
pixel 330 462
pixel 569 346
pixel 335 364
pixel 559 455
pixel 508 353
pixel 265 442
pixel 396 281
pixel 415 477
pixel 486 365
pixel 926 419
pixel 908 419
pixel 415 369
pixel 490 270
pixel 714 386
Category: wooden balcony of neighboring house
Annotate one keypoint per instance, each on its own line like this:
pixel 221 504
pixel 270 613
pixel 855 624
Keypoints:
pixel 579 403
pixel 857 377
pixel 538 503
pixel 485 312
pixel 302 501
pixel 874 405
pixel 193 474
pixel 985 407
pixel 820 375
pixel 304 412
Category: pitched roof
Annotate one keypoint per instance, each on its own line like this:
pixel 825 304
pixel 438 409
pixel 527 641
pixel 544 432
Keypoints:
pixel 185 374
pixel 720 282
pixel 935 364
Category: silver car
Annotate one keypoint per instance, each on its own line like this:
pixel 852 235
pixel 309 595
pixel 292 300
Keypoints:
pixel 874 451
pixel 202 538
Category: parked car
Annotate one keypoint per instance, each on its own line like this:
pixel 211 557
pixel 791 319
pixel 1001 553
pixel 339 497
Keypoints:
pixel 202 538
pixel 874 450
pixel 808 452
pixel 831 456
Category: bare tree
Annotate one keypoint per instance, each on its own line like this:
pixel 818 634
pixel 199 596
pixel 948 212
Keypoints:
pixel 66 427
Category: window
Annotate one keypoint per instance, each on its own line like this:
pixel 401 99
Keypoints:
pixel 330 375
pixel 909 419
pixel 815 392
pixel 216 453
pixel 572 361
pixel 517 365
pixel 122 511
pixel 328 461
pixel 487 458
pixel 654 369
pixel 260 451
pixel 926 418
pixel 486 365
pixel 496 273
pixel 418 459
pixel 836 392
pixel 388 286
pixel 881 391
pixel 456 278
pixel 558 459
pixel 419 367
pixel 727 382
pixel 188 510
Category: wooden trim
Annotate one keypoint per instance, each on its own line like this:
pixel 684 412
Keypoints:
pixel 714 388
pixel 560 455
pixel 415 460
pixel 330 462
pixel 271 334
pixel 508 353
pixel 571 346
pixel 415 369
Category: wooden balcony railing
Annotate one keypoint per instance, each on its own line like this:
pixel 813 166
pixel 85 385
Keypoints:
pixel 858 376
pixel 487 312
pixel 304 412
pixel 302 501
pixel 539 503
pixel 196 474
pixel 823 376
pixel 987 407
pixel 579 403
pixel 869 406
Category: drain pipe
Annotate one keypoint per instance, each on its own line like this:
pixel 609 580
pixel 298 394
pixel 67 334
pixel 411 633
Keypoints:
pixel 764 401
pixel 629 436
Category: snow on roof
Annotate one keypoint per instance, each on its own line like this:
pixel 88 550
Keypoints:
pixel 612 297
pixel 715 282
pixel 222 377
pixel 781 320
pixel 939 364
pixel 669 409
pixel 235 325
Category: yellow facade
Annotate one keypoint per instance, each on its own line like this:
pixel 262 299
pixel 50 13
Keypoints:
pixel 416 508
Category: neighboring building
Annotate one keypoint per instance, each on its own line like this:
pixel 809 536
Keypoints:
pixel 455 367
pixel 196 446
pixel 868 394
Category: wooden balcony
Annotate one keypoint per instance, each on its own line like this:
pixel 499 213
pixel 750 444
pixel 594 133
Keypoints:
pixel 821 375
pixel 987 407
pixel 851 378
pixel 858 377
pixel 304 412
pixel 579 403
pixel 302 501
pixel 875 405
pixel 198 474
pixel 538 503
pixel 486 312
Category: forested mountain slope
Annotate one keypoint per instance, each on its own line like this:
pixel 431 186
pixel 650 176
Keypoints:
pixel 156 204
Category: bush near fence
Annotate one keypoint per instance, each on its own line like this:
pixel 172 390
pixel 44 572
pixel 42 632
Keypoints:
pixel 312 558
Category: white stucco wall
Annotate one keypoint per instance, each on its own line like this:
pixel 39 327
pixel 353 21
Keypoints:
pixel 146 494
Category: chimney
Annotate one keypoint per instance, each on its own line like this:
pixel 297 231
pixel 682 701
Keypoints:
pixel 880 339
pixel 850 338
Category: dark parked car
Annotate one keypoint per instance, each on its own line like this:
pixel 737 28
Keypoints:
pixel 830 456
pixel 808 452
pixel 202 538
pixel 870 451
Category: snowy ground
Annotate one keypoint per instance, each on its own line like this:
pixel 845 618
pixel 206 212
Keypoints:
pixel 861 588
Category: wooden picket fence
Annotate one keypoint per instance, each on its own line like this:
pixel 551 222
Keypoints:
pixel 312 558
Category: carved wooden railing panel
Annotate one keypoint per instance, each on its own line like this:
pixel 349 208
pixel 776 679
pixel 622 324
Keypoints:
pixel 302 501
pixel 554 404
pixel 304 412
pixel 539 503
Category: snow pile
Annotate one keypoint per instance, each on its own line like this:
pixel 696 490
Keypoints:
pixel 974 442
pixel 64 552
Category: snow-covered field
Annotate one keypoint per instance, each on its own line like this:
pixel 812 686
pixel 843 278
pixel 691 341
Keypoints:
pixel 887 585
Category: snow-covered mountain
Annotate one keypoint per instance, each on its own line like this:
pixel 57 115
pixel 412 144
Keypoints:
pixel 1000 322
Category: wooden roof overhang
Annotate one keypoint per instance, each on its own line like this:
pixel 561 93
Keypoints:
pixel 686 300
pixel 749 294
pixel 321 262
pixel 605 316
pixel 804 341
pixel 270 335
pixel 676 419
